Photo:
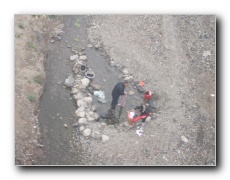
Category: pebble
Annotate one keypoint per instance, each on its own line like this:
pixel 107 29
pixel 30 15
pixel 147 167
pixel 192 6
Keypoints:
pixel 104 138
pixel 65 125
pixel 83 57
pixel 183 138
pixel 87 132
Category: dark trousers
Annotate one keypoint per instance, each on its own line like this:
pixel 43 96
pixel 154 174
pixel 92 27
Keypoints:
pixel 114 102
pixel 143 120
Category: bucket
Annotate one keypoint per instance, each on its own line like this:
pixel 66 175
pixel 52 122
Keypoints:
pixel 131 114
pixel 147 95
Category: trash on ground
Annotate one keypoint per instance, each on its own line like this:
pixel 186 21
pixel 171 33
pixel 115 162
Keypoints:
pixel 139 132
pixel 100 94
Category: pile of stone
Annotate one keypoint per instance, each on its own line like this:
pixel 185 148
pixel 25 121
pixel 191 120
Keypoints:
pixel 82 89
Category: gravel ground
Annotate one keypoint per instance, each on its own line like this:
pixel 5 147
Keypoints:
pixel 175 57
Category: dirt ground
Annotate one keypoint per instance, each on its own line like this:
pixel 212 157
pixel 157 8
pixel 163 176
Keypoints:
pixel 173 55
pixel 32 34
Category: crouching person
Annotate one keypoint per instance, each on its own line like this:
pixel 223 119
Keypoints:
pixel 144 109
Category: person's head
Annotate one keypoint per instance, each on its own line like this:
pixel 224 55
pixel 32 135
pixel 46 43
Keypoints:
pixel 126 83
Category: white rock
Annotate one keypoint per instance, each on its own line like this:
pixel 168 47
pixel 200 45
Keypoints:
pixel 74 90
pixel 148 118
pixel 213 95
pixel 96 135
pixel 125 71
pixel 65 125
pixel 91 119
pixel 90 113
pixel 81 114
pixel 80 109
pixel 104 138
pixel 183 138
pixel 79 96
pixel 93 108
pixel 88 100
pixel 103 124
pixel 82 128
pixel 96 116
pixel 207 53
pixel 82 120
pixel 74 57
pixel 82 103
pixel 83 57
pixel 87 132
pixel 85 82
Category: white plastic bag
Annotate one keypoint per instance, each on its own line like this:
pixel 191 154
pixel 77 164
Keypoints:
pixel 100 94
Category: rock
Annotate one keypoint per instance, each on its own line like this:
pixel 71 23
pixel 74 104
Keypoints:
pixel 74 90
pixel 65 125
pixel 125 71
pixel 69 81
pixel 96 135
pixel 93 108
pixel 74 57
pixel 79 96
pixel 95 86
pixel 82 103
pixel 82 120
pixel 88 100
pixel 102 100
pixel 90 113
pixel 96 116
pixel 89 45
pixel 104 138
pixel 131 93
pixel 75 125
pixel 103 124
pixel 91 119
pixel 81 114
pixel 97 46
pixel 76 71
pixel 148 119
pixel 206 53
pixel 83 57
pixel 87 132
pixel 82 128
pixel 85 82
pixel 183 138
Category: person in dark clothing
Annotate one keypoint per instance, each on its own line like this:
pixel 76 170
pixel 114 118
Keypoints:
pixel 118 90
pixel 144 110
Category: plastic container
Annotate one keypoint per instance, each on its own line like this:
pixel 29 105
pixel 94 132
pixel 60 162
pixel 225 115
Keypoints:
pixel 147 95
pixel 131 114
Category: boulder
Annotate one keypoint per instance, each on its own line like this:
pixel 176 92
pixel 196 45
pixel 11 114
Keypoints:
pixel 83 57
pixel 104 138
pixel 88 100
pixel 96 135
pixel 82 120
pixel 74 57
pixel 82 103
pixel 87 132
pixel 69 81
pixel 81 114
pixel 85 82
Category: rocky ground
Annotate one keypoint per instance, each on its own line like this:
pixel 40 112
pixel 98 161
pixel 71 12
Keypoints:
pixel 174 56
